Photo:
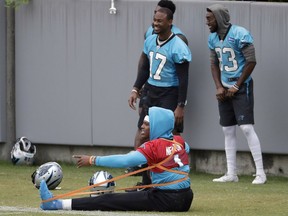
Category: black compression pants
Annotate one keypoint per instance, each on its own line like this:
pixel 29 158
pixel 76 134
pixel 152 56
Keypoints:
pixel 150 200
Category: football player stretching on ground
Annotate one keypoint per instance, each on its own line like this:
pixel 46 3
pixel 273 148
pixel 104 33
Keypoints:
pixel 162 145
pixel 232 62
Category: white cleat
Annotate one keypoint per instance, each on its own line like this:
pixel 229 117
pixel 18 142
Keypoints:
pixel 227 178
pixel 260 179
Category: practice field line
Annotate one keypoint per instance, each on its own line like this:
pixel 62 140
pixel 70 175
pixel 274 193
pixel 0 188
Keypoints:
pixel 8 210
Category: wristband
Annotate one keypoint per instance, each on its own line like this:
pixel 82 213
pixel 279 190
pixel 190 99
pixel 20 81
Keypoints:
pixel 182 104
pixel 92 160
pixel 134 90
pixel 235 86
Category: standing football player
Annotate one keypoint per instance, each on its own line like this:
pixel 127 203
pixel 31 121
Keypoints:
pixel 164 70
pixel 142 94
pixel 232 57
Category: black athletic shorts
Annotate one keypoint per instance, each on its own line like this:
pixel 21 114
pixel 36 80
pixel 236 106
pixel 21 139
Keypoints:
pixel 143 95
pixel 165 97
pixel 238 110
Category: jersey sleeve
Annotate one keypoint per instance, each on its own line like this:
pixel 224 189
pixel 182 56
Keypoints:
pixel 149 32
pixel 148 151
pixel 181 52
pixel 148 42
pixel 210 41
pixel 244 37
pixel 145 47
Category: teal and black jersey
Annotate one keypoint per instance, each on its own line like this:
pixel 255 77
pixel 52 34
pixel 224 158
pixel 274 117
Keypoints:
pixel 229 52
pixel 162 59
pixel 174 29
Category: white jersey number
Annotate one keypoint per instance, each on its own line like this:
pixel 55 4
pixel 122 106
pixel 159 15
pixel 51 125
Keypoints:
pixel 231 59
pixel 178 160
pixel 163 60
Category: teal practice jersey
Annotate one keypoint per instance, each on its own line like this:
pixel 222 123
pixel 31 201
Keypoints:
pixel 229 52
pixel 162 59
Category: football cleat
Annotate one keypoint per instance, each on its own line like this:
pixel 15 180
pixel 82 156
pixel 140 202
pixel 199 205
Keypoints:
pixel 227 178
pixel 260 179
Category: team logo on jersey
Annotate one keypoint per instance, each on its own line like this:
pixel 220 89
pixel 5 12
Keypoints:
pixel 231 39
pixel 241 118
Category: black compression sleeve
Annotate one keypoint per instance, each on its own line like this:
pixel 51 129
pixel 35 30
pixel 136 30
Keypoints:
pixel 143 72
pixel 182 72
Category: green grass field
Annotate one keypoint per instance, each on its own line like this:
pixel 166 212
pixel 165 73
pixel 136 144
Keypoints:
pixel 19 197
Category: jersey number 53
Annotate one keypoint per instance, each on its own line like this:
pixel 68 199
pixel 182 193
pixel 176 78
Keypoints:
pixel 227 59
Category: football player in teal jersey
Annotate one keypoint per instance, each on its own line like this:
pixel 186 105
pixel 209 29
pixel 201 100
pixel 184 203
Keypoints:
pixel 165 68
pixel 232 57
pixel 142 93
